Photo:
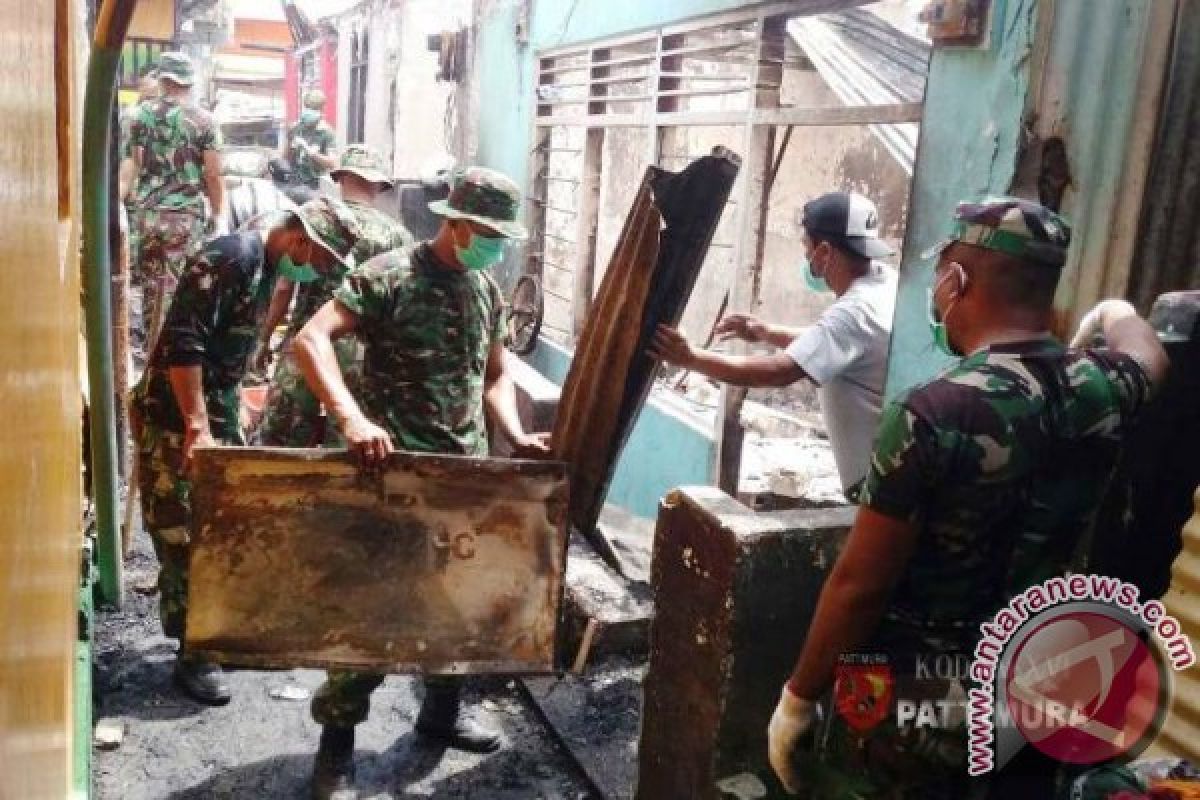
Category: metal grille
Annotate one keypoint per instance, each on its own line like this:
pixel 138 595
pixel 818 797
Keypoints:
pixel 359 49
pixel 722 73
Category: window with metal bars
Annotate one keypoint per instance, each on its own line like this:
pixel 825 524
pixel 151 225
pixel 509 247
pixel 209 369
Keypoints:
pixel 356 127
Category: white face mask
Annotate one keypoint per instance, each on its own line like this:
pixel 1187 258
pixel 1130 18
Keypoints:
pixel 937 320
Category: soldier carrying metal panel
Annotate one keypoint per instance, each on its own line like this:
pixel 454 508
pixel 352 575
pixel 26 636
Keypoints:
pixel 188 396
pixel 433 324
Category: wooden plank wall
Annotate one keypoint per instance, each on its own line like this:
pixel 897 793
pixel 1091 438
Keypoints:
pixel 40 486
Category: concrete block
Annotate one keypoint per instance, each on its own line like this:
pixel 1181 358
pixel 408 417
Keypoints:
pixel 734 591
pixel 619 610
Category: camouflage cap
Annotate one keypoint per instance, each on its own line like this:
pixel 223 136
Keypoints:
pixel 1019 228
pixel 177 67
pixel 333 225
pixel 363 162
pixel 485 196
pixel 314 98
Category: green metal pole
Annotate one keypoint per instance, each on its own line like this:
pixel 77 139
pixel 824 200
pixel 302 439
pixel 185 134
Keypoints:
pixel 111 27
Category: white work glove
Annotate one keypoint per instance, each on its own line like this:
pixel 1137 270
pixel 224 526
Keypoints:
pixel 793 717
pixel 1093 322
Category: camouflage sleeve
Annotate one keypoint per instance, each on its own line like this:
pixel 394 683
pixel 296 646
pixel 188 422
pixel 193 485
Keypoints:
pixel 499 321
pixel 367 292
pixel 401 238
pixel 124 129
pixel 904 466
pixel 136 128
pixel 1130 385
pixel 189 324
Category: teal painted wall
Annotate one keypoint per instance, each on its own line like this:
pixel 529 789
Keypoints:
pixel 667 448
pixel 970 136
pixel 975 109
pixel 1094 65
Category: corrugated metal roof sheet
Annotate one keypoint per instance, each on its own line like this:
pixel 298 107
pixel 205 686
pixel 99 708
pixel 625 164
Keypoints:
pixel 1168 253
pixel 866 60
pixel 1181 736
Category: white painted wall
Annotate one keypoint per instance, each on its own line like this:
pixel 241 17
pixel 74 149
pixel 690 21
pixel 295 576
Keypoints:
pixel 406 104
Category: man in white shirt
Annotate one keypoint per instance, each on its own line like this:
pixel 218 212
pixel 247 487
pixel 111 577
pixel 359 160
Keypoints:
pixel 844 352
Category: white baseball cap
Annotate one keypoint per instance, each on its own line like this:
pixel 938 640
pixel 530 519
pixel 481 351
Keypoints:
pixel 849 219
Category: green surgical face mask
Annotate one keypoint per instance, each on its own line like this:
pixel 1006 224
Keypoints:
pixel 481 252
pixel 814 282
pixel 937 323
pixel 309 116
pixel 296 273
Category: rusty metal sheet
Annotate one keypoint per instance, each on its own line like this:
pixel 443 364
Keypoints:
pixel 648 281
pixel 437 564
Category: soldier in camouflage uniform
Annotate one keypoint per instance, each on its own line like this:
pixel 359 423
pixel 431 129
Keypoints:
pixel 293 414
pixel 188 395
pixel 982 482
pixel 432 320
pixel 174 150
pixel 148 89
pixel 308 145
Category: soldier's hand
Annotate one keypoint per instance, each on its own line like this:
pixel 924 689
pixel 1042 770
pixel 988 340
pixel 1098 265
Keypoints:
pixel 370 443
pixel 1094 322
pixel 193 438
pixel 741 326
pixel 671 346
pixel 532 445
pixel 793 718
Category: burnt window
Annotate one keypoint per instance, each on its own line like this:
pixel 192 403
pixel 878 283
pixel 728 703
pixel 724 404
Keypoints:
pixel 356 124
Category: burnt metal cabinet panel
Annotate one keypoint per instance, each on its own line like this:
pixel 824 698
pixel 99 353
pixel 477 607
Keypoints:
pixel 436 564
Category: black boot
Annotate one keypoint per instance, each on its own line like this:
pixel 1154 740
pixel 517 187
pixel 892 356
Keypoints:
pixel 333 768
pixel 442 719
pixel 203 681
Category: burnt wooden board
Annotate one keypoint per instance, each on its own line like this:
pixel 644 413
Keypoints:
pixel 436 564
pixel 648 281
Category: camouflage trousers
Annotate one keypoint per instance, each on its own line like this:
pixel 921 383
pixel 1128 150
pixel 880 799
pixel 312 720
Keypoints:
pixel 167 515
pixel 293 416
pixel 161 241
pixel 344 699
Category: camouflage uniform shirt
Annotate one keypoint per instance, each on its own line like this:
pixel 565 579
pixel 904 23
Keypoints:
pixel 174 137
pixel 1001 462
pixel 212 323
pixel 428 331
pixel 320 136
